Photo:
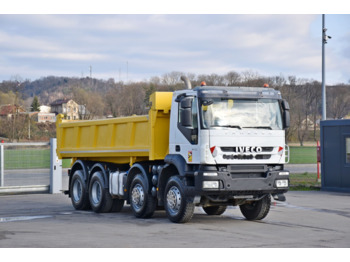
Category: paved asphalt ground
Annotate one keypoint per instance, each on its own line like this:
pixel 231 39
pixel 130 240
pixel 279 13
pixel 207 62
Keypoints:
pixel 306 219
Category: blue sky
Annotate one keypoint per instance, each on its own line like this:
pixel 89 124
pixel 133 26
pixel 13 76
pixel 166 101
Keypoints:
pixel 137 47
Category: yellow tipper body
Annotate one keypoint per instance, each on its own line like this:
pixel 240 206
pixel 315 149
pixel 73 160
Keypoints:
pixel 123 140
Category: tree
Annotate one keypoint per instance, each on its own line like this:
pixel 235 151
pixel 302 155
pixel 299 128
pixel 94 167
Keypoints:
pixel 91 102
pixel 172 78
pixel 338 101
pixel 35 106
pixel 7 97
pixel 233 78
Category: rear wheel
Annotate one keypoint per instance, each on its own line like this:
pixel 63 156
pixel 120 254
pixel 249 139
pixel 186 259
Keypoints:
pixel 256 210
pixel 100 199
pixel 78 191
pixel 214 210
pixel 142 203
pixel 179 209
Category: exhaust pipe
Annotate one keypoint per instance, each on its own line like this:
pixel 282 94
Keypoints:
pixel 187 82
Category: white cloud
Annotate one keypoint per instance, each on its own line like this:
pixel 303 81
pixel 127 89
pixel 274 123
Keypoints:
pixel 157 44
pixel 62 56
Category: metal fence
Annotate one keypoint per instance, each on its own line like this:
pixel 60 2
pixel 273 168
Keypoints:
pixel 27 167
pixel 303 166
pixel 34 167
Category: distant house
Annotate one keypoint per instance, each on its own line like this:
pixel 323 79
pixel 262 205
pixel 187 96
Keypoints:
pixel 45 109
pixel 7 111
pixel 46 117
pixel 309 122
pixel 67 107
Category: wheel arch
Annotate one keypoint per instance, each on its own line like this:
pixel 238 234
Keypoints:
pixel 99 167
pixel 78 165
pixel 175 165
pixel 178 161
pixel 168 171
pixel 137 169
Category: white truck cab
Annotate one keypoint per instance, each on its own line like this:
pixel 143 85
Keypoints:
pixel 228 144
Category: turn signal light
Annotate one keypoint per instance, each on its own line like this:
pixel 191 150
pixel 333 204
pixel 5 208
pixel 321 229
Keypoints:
pixel 212 149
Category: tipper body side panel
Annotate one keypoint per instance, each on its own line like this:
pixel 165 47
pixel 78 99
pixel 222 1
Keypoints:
pixel 118 140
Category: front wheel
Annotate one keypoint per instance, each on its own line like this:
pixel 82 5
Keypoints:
pixel 178 208
pixel 256 210
pixel 141 201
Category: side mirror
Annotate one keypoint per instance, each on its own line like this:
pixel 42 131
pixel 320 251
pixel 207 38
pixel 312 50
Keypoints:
pixel 186 111
pixel 286 114
pixel 286 119
pixel 186 117
pixel 285 105
pixel 186 102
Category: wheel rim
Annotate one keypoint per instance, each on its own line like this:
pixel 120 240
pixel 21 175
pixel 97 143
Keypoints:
pixel 96 193
pixel 77 190
pixel 137 197
pixel 173 198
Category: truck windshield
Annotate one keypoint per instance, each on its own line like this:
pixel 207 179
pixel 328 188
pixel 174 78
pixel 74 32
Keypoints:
pixel 241 113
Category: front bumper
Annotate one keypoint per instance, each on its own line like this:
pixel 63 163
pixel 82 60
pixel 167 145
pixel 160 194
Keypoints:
pixel 224 182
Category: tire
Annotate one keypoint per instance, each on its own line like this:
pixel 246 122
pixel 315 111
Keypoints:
pixel 117 205
pixel 79 192
pixel 179 209
pixel 142 203
pixel 100 199
pixel 214 210
pixel 256 210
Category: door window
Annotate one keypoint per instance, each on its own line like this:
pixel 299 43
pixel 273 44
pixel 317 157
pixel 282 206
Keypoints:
pixel 347 149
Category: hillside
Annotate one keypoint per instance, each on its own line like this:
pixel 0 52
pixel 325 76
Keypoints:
pixel 48 89
pixel 104 98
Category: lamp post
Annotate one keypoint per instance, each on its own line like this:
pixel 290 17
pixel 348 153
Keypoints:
pixel 324 41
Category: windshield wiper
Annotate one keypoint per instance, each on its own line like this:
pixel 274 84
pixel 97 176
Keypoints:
pixel 227 126
pixel 259 127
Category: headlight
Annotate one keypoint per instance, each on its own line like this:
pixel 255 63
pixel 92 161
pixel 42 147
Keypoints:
pixel 210 184
pixel 282 183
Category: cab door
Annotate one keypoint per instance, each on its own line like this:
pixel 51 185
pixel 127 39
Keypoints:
pixel 185 130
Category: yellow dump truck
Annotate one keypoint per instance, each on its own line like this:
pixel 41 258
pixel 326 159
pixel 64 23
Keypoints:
pixel 207 146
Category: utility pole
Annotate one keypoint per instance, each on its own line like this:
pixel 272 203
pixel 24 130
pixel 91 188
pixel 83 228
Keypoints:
pixel 324 41
pixel 127 71
pixel 91 77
